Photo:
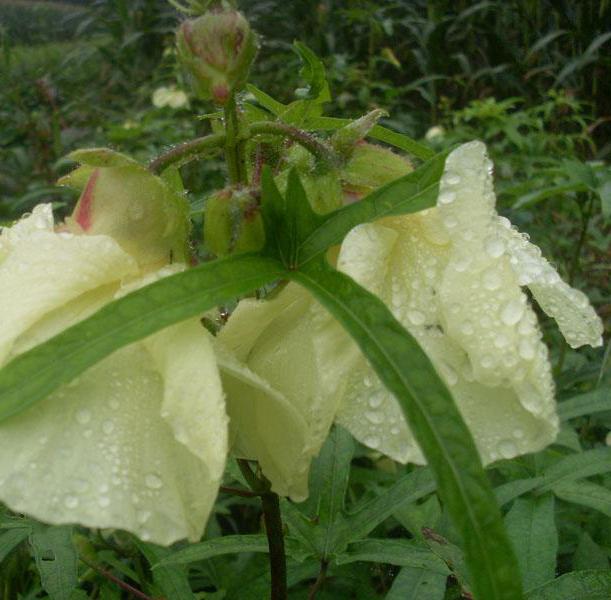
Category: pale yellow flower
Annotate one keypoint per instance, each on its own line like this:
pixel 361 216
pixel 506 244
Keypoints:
pixel 139 441
pixel 453 276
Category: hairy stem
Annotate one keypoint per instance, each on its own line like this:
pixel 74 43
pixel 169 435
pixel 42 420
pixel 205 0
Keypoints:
pixel 234 150
pixel 195 149
pixel 187 151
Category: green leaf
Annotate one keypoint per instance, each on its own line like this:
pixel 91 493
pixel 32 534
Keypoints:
pixel 585 493
pixel 437 425
pixel 417 584
pixel 403 553
pixel 451 555
pixel 414 192
pixel 579 585
pixel 56 560
pixel 328 484
pixel 597 400
pixel 409 488
pixel 398 140
pixel 34 374
pixel 532 531
pixel 9 540
pixel 589 555
pixel 266 101
pixel 313 72
pixel 172 582
pixel 231 544
pixel 568 468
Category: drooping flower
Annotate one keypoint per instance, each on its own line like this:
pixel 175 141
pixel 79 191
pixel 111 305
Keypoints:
pixel 139 441
pixel 453 276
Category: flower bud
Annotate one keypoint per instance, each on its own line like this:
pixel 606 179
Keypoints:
pixel 232 222
pixel 370 167
pixel 217 49
pixel 123 200
pixel 345 139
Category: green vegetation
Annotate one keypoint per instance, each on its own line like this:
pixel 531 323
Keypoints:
pixel 532 79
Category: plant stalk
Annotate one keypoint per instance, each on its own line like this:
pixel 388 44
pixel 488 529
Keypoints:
pixel 234 150
pixel 187 151
pixel 270 503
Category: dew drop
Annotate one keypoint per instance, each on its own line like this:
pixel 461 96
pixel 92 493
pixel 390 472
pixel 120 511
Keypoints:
pixel 143 516
pixel 512 311
pixel 374 417
pixel 416 317
pixel 108 426
pixel 373 441
pixel 71 501
pixel 153 481
pixel 507 448
pixel 526 350
pixel 467 328
pixel 451 179
pixel 450 222
pixel 491 280
pixel 447 197
pixel 376 400
pixel 103 501
pixel 494 247
pixel 82 416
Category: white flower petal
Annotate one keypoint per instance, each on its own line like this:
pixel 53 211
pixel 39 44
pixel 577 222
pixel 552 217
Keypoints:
pixel 276 343
pixel 43 271
pixel 98 452
pixel 570 308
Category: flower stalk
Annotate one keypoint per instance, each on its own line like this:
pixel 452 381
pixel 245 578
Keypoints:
pixel 270 504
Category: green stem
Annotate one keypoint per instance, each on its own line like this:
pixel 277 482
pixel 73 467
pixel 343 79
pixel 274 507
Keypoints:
pixel 234 150
pixel 322 151
pixel 187 151
pixel 273 528
pixel 194 149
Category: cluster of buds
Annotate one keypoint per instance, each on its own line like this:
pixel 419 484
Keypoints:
pixel 217 49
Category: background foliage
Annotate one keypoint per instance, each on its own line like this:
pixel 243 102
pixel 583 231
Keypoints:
pixel 531 79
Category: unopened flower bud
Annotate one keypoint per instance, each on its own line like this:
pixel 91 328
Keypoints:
pixel 122 199
pixel 345 139
pixel 217 49
pixel 232 222
pixel 371 166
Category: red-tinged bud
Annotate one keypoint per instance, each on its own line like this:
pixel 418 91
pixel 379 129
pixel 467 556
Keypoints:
pixel 123 200
pixel 217 49
pixel 232 222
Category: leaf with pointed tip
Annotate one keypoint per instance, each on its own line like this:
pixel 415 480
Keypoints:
pixel 403 553
pixel 399 140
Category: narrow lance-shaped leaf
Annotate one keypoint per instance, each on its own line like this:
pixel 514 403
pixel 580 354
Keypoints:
pixel 435 421
pixel 34 374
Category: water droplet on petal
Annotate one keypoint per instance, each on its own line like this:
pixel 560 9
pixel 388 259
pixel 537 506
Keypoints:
pixel 153 481
pixel 494 247
pixel 108 426
pixel 447 197
pixel 512 311
pixel 82 416
pixel 374 417
pixel 104 501
pixel 71 501
pixel 451 179
pixel 372 441
pixel 376 399
pixel 507 448
pixel 416 317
